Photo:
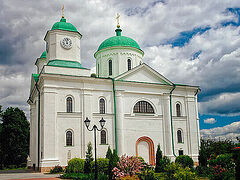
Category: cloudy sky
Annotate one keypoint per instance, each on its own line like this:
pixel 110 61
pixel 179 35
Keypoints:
pixel 188 41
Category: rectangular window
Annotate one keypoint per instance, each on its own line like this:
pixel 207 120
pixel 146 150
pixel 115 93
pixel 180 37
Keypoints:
pixel 180 152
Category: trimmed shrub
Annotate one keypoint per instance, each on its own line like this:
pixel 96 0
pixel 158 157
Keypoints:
pixel 109 153
pixel 185 161
pixel 102 165
pixel 161 161
pixel 75 165
pixel 203 171
pixel 56 169
pixel 175 171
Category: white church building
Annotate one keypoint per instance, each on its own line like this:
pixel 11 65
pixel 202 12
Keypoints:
pixel 141 107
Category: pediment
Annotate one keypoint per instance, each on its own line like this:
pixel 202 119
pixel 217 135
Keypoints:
pixel 143 73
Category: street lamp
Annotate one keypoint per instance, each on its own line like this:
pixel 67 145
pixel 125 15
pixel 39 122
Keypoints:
pixel 102 123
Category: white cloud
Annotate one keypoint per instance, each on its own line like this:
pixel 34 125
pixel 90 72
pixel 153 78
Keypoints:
pixel 230 131
pixel 210 121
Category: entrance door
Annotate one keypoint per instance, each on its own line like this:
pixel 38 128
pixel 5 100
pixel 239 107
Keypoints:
pixel 143 151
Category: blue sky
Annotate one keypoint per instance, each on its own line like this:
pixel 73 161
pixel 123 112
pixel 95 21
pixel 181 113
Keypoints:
pixel 189 42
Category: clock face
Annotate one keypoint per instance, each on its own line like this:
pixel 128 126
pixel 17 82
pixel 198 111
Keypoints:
pixel 66 43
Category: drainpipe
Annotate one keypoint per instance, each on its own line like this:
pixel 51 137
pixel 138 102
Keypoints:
pixel 115 113
pixel 38 126
pixel 174 86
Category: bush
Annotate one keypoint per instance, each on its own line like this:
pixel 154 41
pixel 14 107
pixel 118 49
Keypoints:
pixel 175 171
pixel 56 169
pixel 83 176
pixel 127 166
pixel 221 166
pixel 185 161
pixel 102 165
pixel 203 171
pixel 75 165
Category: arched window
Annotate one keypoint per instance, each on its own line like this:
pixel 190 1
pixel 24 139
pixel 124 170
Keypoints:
pixel 102 106
pixel 178 110
pixel 110 67
pixel 129 63
pixel 69 138
pixel 179 136
pixel 69 104
pixel 143 107
pixel 103 137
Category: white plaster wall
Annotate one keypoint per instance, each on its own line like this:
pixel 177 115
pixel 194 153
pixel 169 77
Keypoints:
pixel 66 71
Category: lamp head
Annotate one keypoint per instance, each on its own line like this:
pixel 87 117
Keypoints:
pixel 87 122
pixel 102 122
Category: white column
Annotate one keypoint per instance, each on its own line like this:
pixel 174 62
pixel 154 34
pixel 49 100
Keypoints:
pixel 192 125
pixel 167 131
pixel 120 119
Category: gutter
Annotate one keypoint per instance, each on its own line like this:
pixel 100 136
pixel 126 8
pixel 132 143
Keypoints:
pixel 198 90
pixel 174 86
pixel 115 115
pixel 38 126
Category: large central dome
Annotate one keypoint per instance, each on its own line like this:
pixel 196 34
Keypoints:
pixel 63 25
pixel 118 40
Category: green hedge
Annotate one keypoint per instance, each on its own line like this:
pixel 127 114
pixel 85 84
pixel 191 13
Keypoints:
pixel 75 165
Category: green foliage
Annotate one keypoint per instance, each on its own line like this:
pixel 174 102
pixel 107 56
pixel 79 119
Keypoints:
pixel 221 166
pixel 109 153
pixel 141 159
pixel 161 161
pixel 14 138
pixel 175 171
pixel 56 169
pixel 209 147
pixel 147 173
pixel 83 176
pixel 203 171
pixel 89 159
pixel 185 161
pixel 93 75
pixel 115 158
pixel 102 164
pixel 236 157
pixel 75 165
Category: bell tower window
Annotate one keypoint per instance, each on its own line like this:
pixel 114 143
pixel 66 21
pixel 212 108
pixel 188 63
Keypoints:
pixel 110 67
pixel 129 63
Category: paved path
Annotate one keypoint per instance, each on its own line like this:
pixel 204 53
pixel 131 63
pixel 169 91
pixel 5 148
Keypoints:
pixel 26 175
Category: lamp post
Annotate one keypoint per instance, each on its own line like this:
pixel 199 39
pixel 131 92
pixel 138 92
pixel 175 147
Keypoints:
pixel 94 128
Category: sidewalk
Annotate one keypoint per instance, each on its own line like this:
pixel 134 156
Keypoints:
pixel 26 175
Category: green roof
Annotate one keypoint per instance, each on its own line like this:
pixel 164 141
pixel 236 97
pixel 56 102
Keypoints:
pixel 35 77
pixel 63 25
pixel 44 55
pixel 64 63
pixel 118 40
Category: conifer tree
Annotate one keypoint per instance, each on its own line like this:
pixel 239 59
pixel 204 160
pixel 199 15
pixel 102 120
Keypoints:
pixel 89 159
pixel 109 153
pixel 159 158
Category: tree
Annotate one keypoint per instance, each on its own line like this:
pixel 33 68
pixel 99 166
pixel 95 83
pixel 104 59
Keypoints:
pixel 14 138
pixel 158 159
pixel 109 153
pixel 89 159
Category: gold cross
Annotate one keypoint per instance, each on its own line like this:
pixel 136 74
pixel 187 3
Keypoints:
pixel 63 11
pixel 118 16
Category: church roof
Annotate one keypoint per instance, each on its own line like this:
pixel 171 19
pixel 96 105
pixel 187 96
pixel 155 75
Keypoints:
pixel 64 63
pixel 63 25
pixel 119 40
pixel 44 55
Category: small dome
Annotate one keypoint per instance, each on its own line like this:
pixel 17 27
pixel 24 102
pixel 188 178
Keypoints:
pixel 44 55
pixel 63 25
pixel 118 40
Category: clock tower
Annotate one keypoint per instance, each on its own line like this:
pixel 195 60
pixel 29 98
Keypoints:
pixel 63 43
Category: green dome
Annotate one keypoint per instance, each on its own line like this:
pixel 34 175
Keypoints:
pixel 44 55
pixel 63 25
pixel 118 40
